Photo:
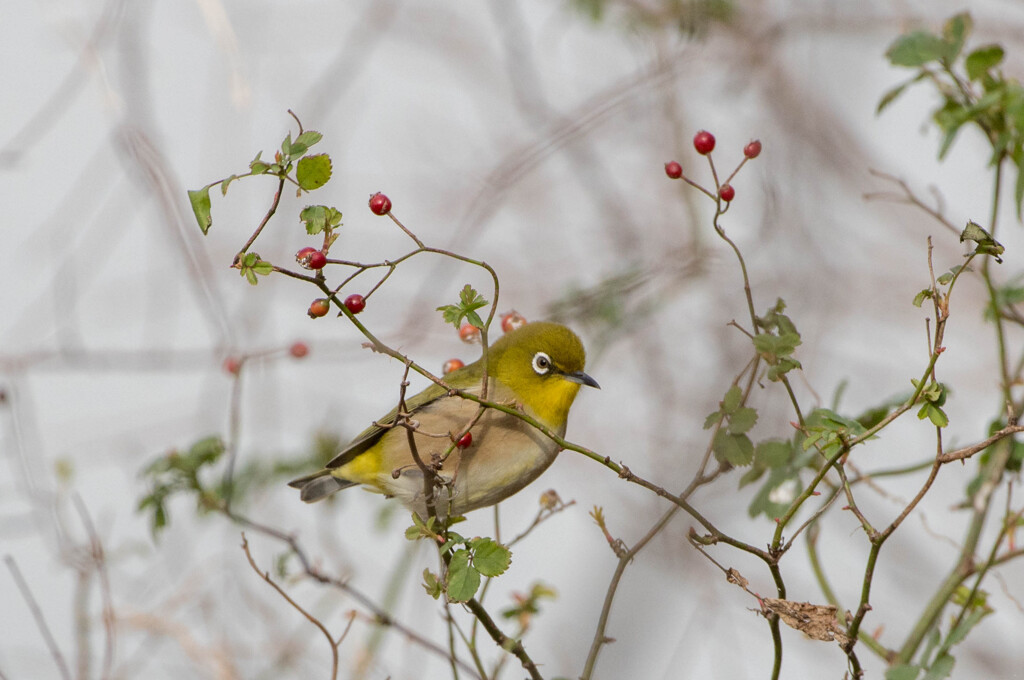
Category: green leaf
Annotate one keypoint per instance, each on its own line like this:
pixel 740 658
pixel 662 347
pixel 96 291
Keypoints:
pixel 955 31
pixel 200 200
pixel 463 578
pixel 890 96
pixel 313 172
pixel 986 244
pixel 431 583
pixel 286 146
pixel 945 278
pixel 490 557
pixel 732 399
pixel 735 449
pixel 742 420
pixel 314 217
pixel 469 302
pixel 772 453
pixel 941 668
pixel 263 268
pixel 224 185
pixel 258 167
pixel 755 473
pixel 981 60
pixel 309 138
pixel 916 49
pixel 934 414
pixel 905 671
pixel 922 296
pixel 957 635
pixel 713 419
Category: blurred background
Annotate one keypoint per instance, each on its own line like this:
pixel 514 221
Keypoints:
pixel 531 135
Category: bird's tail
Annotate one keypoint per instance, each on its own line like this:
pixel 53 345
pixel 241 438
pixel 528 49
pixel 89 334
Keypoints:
pixel 319 485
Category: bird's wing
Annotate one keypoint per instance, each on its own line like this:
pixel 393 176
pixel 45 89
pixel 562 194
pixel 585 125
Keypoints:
pixel 371 435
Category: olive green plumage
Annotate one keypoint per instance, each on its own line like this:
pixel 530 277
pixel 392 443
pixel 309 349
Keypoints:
pixel 538 368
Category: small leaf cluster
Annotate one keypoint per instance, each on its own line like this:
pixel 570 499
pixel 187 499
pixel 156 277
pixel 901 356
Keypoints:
pixel 934 396
pixel 778 341
pixel 467 560
pixel 251 264
pixel 973 89
pixel 469 301
pixel 731 443
pixel 935 660
pixel 311 172
pixel 179 472
pixel 527 606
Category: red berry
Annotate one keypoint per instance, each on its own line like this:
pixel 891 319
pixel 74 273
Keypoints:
pixel 355 303
pixel 465 440
pixel 727 192
pixel 311 258
pixel 752 150
pixel 512 321
pixel 452 365
pixel 380 204
pixel 318 308
pixel 673 170
pixel 298 349
pixel 232 365
pixel 704 142
pixel 469 333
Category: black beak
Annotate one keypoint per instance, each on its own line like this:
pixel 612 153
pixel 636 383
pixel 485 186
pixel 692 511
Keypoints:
pixel 581 378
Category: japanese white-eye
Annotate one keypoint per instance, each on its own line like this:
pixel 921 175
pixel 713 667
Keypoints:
pixel 537 368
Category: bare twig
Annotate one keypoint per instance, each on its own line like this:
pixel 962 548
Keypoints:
pixel 309 617
pixel 37 614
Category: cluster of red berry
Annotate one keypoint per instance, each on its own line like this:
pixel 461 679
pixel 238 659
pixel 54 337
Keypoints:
pixel 313 259
pixel 704 143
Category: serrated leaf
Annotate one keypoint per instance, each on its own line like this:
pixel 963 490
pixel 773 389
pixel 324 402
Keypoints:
pixel 957 635
pixel 250 276
pixel 712 420
pixel 286 145
pixel 742 420
pixel 263 268
pixel 735 449
pixel 922 296
pixel 982 59
pixel 732 399
pixel 905 671
pixel 463 579
pixel 312 172
pixel 314 217
pixel 490 557
pixel 986 244
pixel 309 138
pixel 945 278
pixel 200 200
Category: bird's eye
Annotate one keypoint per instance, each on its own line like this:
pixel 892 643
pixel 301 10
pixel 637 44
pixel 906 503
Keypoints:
pixel 541 363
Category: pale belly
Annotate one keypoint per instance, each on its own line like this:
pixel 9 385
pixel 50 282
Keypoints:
pixel 506 455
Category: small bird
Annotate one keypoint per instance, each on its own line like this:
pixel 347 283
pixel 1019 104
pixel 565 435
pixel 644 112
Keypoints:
pixel 537 368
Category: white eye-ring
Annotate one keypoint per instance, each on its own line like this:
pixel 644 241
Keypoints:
pixel 541 363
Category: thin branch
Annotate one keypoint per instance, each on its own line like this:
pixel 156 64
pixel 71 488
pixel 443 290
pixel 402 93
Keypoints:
pixel 37 614
pixel 309 617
